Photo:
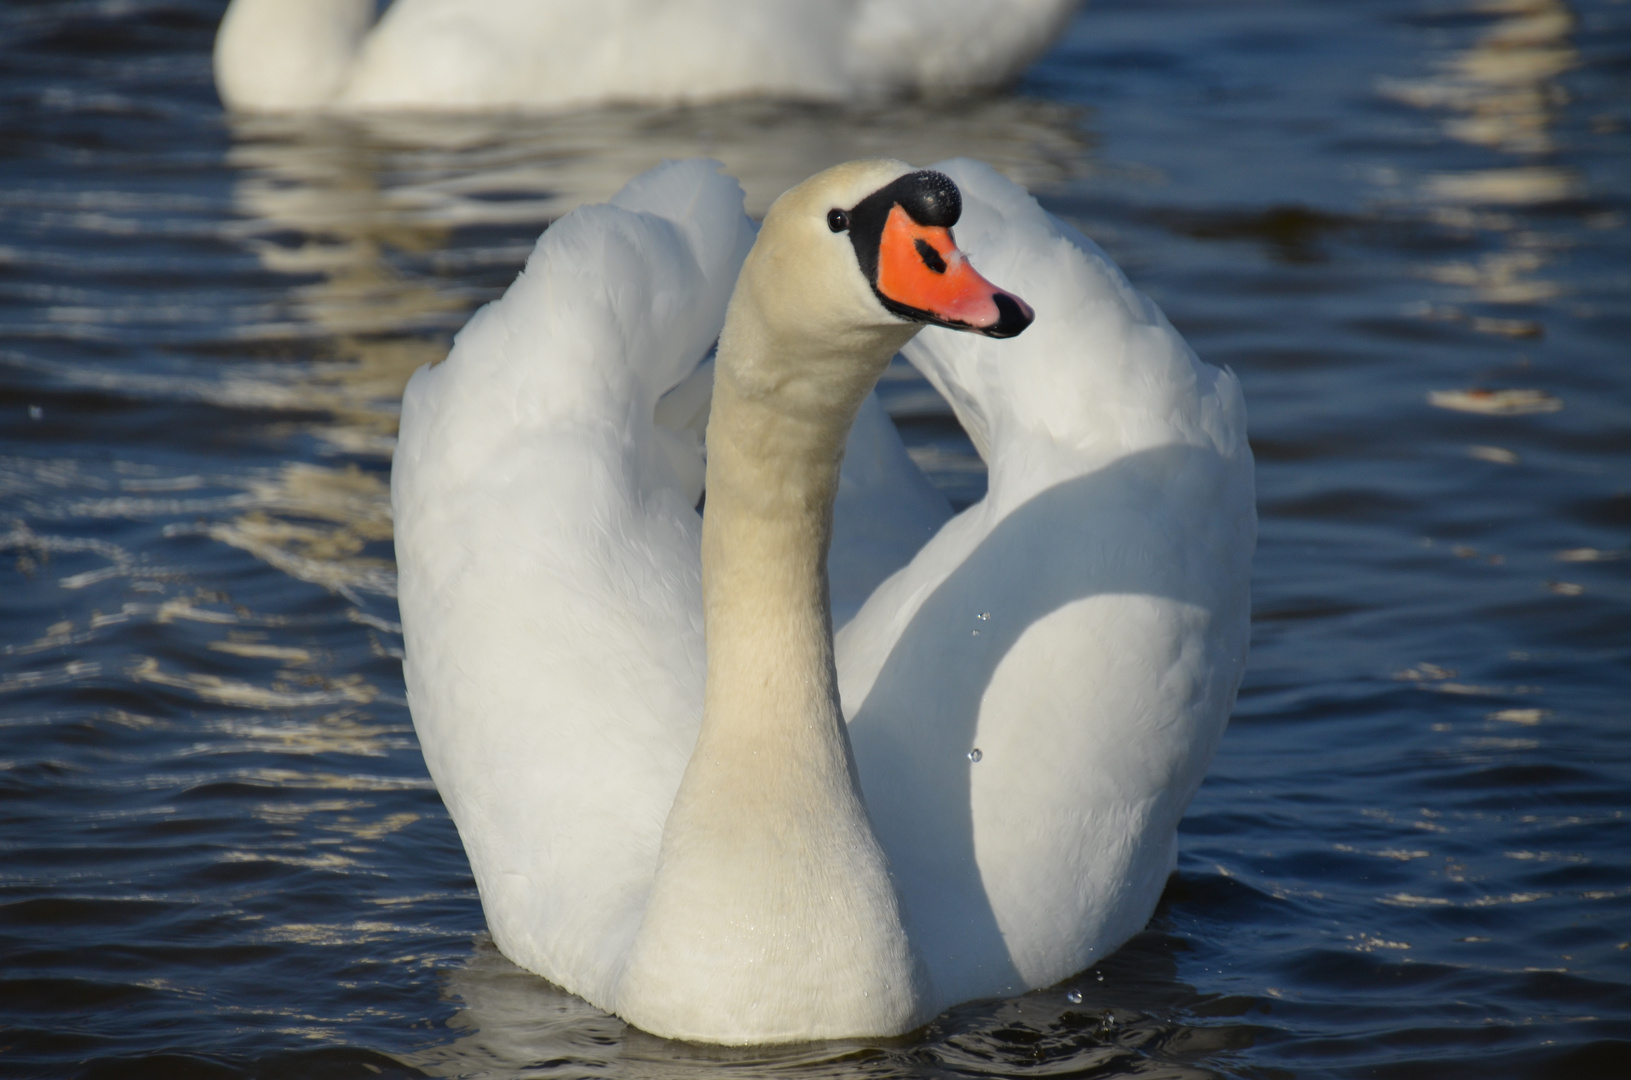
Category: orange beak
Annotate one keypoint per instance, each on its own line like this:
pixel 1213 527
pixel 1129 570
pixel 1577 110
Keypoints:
pixel 923 276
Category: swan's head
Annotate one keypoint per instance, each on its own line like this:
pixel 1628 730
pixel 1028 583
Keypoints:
pixel 901 236
pixel 868 246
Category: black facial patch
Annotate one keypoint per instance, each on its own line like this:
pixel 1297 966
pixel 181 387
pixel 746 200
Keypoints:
pixel 929 198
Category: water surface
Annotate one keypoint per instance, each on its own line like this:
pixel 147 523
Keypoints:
pixel 1402 222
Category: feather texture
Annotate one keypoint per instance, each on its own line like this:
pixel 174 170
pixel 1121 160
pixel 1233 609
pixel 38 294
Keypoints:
pixel 1084 626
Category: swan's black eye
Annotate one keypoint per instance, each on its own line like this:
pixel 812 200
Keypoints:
pixel 837 220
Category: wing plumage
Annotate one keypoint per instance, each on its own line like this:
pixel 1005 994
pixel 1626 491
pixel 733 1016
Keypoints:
pixel 548 553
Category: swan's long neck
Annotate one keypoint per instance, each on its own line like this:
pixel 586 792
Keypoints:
pixel 772 916
pixel 288 55
pixel 772 478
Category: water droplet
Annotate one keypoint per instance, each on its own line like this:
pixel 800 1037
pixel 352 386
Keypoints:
pixel 36 413
pixel 975 755
pixel 1074 997
pixel 1101 976
pixel 1108 1020
pixel 976 633
pixel 983 616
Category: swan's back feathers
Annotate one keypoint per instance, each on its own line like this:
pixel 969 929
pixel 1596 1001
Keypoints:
pixel 288 55
pixel 452 54
pixel 549 570
pixel 553 54
pixel 950 46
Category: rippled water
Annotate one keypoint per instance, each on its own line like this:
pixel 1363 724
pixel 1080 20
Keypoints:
pixel 1403 222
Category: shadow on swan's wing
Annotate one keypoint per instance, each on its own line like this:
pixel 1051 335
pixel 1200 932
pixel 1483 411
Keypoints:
pixel 1128 533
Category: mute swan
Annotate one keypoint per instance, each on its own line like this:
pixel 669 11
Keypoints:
pixel 292 55
pixel 1033 697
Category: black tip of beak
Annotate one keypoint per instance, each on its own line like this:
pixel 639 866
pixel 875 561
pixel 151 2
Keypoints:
pixel 1013 316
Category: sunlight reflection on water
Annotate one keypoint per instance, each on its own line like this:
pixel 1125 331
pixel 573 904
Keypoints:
pixel 1404 226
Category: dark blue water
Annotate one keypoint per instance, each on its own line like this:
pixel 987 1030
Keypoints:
pixel 1403 222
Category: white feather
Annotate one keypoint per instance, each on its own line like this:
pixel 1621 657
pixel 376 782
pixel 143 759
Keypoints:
pixel 281 55
pixel 1084 626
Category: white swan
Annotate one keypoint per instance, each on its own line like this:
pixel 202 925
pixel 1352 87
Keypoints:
pixel 292 55
pixel 708 871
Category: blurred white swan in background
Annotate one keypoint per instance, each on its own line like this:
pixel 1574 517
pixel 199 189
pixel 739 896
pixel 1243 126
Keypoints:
pixel 1033 693
pixel 463 55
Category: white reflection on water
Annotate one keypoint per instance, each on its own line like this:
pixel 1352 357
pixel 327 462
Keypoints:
pixel 1502 92
pixel 411 172
pixel 313 523
pixel 283 694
